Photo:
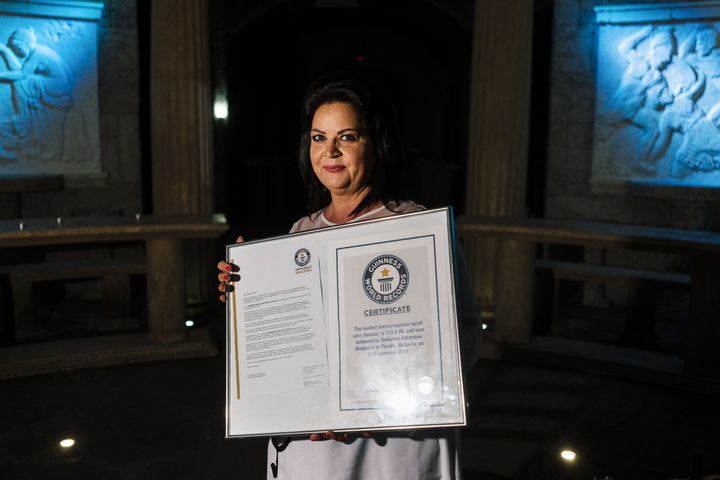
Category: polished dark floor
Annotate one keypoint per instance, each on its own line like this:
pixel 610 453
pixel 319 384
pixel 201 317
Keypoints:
pixel 164 420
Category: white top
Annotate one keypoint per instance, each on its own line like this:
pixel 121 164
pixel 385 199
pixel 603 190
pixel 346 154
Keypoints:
pixel 432 455
pixel 420 455
pixel 318 220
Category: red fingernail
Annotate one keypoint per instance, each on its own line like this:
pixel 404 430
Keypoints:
pixel 228 268
pixel 226 277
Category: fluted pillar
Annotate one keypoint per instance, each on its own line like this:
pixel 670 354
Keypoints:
pixel 181 122
pixel 499 124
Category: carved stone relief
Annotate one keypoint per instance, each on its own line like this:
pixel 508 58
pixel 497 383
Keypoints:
pixel 48 96
pixel 658 103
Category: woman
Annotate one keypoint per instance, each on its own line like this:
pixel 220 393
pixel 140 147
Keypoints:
pixel 42 89
pixel 347 159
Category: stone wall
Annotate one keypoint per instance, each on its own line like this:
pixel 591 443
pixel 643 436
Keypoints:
pixel 116 191
pixel 119 189
pixel 570 144
pixel 569 193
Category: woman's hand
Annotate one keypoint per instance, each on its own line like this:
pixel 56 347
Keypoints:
pixel 338 437
pixel 228 274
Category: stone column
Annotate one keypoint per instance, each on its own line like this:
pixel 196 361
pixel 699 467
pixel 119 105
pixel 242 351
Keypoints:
pixel 181 122
pixel 499 125
pixel 166 295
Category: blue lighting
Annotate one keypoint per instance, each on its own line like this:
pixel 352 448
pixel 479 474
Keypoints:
pixel 48 87
pixel 657 118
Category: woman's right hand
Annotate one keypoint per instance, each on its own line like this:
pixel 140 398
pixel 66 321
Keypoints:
pixel 228 274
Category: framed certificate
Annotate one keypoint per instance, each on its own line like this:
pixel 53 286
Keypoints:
pixel 346 328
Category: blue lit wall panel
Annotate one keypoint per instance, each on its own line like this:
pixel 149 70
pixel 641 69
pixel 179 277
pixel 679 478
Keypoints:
pixel 657 115
pixel 48 88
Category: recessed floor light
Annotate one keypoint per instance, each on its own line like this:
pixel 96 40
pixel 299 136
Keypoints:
pixel 67 443
pixel 568 455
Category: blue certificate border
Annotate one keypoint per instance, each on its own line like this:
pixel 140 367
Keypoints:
pixel 437 306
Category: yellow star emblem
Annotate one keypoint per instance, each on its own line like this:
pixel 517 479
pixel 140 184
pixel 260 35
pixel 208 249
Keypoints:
pixel 385 272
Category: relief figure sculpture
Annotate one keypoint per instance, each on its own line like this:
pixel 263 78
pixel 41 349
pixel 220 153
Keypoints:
pixel 643 90
pixel 42 96
pixel 700 50
pixel 681 116
pixel 700 147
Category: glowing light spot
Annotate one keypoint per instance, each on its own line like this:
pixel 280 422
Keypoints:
pixel 220 109
pixel 403 404
pixel 484 326
pixel 189 323
pixel 568 455
pixel 425 385
pixel 67 443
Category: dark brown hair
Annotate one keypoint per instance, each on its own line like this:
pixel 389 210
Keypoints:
pixel 376 117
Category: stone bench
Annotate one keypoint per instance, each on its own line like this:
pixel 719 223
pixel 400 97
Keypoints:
pixel 588 272
pixel 517 246
pixel 113 274
pixel 167 335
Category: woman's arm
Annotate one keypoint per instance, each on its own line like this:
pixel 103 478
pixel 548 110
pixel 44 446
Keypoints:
pixel 627 47
pixel 10 57
pixel 470 319
pixel 24 70
pixel 12 75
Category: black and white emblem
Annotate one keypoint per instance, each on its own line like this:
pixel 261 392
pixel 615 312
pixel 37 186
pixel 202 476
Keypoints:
pixel 302 257
pixel 385 279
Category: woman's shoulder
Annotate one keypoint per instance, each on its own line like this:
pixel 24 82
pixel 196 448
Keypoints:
pixel 316 220
pixel 309 222
pixel 404 206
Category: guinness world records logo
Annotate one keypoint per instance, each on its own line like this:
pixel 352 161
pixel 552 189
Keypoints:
pixel 385 279
pixel 302 257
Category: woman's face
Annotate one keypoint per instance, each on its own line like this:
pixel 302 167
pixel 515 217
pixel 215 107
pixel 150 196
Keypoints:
pixel 19 46
pixel 341 154
pixel 661 55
